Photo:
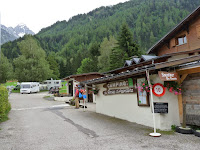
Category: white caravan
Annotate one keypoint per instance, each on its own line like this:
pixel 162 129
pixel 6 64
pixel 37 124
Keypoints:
pixel 48 84
pixel 29 87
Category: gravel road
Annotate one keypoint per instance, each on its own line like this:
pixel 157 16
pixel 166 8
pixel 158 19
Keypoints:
pixel 39 124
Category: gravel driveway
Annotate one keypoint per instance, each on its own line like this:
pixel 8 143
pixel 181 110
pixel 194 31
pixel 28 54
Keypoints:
pixel 39 124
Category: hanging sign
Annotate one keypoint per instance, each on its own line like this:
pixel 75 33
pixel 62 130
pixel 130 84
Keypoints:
pixel 158 89
pixel 161 107
pixel 168 76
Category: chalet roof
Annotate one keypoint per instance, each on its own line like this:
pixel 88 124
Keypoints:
pixel 183 25
pixel 135 60
pixel 84 74
pixel 146 60
pixel 139 71
pixel 127 63
pixel 147 57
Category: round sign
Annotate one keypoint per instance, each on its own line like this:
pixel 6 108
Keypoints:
pixel 158 89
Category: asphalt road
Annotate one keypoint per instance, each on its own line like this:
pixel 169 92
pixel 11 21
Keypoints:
pixel 38 124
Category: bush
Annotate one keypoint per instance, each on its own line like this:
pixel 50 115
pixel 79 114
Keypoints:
pixel 4 104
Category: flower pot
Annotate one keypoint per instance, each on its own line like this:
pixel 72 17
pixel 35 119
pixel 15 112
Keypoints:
pixel 184 130
pixel 197 133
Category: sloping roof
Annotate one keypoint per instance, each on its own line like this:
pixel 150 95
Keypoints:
pixel 84 74
pixel 147 57
pixel 135 60
pixel 189 61
pixel 181 26
pixel 127 63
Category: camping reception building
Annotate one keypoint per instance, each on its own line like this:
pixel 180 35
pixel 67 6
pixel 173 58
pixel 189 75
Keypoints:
pixel 173 65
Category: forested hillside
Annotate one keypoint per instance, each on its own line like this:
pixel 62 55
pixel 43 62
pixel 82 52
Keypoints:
pixel 91 42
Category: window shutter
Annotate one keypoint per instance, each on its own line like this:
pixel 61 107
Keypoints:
pixel 173 42
pixel 198 31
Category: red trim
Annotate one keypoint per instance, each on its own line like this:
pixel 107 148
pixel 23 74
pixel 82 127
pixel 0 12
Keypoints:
pixel 159 95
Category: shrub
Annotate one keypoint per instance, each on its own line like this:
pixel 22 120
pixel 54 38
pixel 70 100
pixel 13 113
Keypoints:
pixel 4 104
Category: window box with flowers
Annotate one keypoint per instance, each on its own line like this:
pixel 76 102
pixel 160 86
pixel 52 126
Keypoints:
pixel 143 89
pixel 173 87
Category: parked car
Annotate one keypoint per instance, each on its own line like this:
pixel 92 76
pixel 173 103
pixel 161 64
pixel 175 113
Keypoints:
pixel 17 87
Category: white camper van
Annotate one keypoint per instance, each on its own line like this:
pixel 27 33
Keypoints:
pixel 29 87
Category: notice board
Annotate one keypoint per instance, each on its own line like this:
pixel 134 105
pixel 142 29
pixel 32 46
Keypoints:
pixel 160 107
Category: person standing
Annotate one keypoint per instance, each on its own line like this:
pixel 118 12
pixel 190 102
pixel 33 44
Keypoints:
pixel 76 98
pixel 84 98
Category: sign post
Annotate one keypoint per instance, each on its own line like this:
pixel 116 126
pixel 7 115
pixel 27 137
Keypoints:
pixel 152 105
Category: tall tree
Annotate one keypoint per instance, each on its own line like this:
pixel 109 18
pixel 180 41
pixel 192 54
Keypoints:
pixel 6 69
pixel 53 66
pixel 125 49
pixel 105 50
pixel 126 43
pixel 31 65
pixel 87 66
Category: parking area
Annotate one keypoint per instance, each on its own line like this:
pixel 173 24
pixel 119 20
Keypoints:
pixel 36 123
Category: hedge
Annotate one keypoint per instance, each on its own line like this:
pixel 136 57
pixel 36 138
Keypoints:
pixel 4 104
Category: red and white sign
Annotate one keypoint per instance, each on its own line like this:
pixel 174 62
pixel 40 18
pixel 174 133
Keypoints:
pixel 158 89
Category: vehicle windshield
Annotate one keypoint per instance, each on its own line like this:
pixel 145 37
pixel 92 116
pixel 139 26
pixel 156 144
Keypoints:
pixel 25 86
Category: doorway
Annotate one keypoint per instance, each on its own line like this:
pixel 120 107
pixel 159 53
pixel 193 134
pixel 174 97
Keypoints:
pixel 71 88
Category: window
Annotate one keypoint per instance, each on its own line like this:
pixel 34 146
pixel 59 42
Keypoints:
pixel 142 96
pixel 181 40
pixel 24 86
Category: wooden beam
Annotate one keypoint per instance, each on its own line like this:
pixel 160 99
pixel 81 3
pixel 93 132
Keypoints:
pixel 180 98
pixel 183 78
pixel 190 70
pixel 177 62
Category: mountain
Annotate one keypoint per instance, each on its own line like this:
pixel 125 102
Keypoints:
pixel 22 29
pixel 11 34
pixel 70 41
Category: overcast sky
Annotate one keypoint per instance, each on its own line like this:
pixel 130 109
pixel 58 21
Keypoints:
pixel 37 14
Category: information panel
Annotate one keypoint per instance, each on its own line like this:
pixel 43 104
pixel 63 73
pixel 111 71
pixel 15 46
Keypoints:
pixel 160 107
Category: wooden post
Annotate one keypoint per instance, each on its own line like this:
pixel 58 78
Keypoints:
pixel 182 108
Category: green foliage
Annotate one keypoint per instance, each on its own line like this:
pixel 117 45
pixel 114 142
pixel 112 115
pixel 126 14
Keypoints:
pixel 173 87
pixel 87 65
pixel 4 104
pixel 124 50
pixel 54 66
pixel 105 51
pixel 6 69
pixel 173 127
pixel 31 65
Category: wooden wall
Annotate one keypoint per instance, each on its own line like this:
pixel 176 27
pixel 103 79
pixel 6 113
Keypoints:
pixel 193 40
pixel 191 95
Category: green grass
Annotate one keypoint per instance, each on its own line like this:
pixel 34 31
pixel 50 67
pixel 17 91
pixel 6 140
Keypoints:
pixel 63 89
pixel 14 83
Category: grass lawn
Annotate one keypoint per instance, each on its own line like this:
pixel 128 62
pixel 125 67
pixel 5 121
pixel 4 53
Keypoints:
pixel 10 83
pixel 63 89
